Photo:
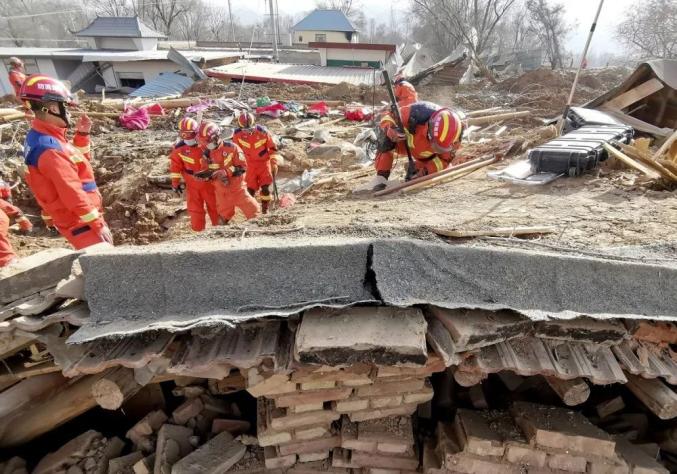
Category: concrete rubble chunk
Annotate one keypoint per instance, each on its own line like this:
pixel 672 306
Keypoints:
pixel 74 285
pixel 472 329
pixel 146 426
pixel 311 446
pixel 234 427
pixel 35 273
pixel 173 443
pixel 380 335
pixel 71 452
pixel 372 414
pixel 38 305
pixel 274 460
pixel 216 456
pixel 123 464
pixel 559 428
pixel 145 466
pixel 187 410
pixel 312 396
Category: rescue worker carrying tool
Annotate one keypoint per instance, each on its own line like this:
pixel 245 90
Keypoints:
pixel 7 210
pixel 260 151
pixel 60 174
pixel 405 93
pixel 427 133
pixel 16 74
pixel 226 167
pixel 185 161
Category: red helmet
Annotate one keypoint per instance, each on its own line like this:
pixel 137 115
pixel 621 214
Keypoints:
pixel 405 93
pixel 246 120
pixel 187 128
pixel 207 132
pixel 41 88
pixel 445 130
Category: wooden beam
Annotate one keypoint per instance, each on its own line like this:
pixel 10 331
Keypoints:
pixel 495 232
pixel 631 163
pixel 496 118
pixel 637 154
pixel 658 397
pixel 635 94
pixel 572 392
pixel 450 177
pixel 111 391
pixel 665 146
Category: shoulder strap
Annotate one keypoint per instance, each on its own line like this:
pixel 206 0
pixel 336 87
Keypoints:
pixel 35 144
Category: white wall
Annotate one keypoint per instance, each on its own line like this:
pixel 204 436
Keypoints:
pixel 149 70
pixel 362 55
pixel 305 37
pixel 116 43
pixel 146 44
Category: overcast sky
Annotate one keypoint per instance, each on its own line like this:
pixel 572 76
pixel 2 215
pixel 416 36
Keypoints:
pixel 579 12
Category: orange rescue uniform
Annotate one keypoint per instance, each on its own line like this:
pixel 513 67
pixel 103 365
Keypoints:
pixel 260 151
pixel 62 180
pixel 425 158
pixel 184 162
pixel 16 78
pixel 228 162
pixel 405 93
pixel 7 210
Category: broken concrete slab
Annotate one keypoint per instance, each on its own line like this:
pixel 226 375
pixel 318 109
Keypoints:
pixel 123 464
pixel 38 305
pixel 472 329
pixel 35 273
pixel 216 456
pixel 381 335
pixel 135 303
pixel 637 459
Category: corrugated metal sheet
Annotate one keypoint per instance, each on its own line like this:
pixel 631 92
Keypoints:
pixel 295 73
pixel 120 27
pixel 325 20
pixel 167 83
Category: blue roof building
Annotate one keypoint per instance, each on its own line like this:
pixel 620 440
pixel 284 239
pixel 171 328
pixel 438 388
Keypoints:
pixel 331 26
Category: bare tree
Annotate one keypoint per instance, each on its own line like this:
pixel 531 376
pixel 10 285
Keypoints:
pixel 473 22
pixel 514 33
pixel 546 21
pixel 651 31
pixel 40 23
pixel 113 7
pixel 164 13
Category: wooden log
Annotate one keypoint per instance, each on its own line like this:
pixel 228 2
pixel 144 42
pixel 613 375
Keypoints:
pixel 496 232
pixel 43 414
pixel 496 118
pixel 168 103
pixel 97 114
pixel 669 165
pixel 637 154
pixel 658 397
pixel 12 117
pixel 451 169
pixel 450 177
pixel 14 398
pixel 666 146
pixel 572 392
pixel 490 110
pixel 635 94
pixel 631 163
pixel 8 111
pixel 116 387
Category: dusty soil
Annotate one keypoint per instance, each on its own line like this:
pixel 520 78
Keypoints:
pixel 608 207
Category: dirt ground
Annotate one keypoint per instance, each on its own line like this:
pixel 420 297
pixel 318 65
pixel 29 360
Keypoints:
pixel 608 207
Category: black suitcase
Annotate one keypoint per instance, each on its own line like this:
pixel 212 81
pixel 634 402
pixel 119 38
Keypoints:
pixel 580 117
pixel 578 151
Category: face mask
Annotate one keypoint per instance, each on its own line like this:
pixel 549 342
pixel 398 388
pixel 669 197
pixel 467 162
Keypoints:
pixel 212 146
pixel 191 142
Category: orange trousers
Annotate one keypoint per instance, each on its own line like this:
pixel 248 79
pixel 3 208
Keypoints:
pixel 6 251
pixel 258 174
pixel 233 196
pixel 384 163
pixel 83 235
pixel 200 194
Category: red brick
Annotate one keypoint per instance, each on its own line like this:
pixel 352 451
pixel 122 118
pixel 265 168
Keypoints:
pixel 365 415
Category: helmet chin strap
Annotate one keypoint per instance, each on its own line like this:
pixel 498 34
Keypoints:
pixel 63 114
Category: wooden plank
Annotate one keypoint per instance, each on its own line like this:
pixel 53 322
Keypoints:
pixel 657 396
pixel 633 95
pixel 637 154
pixel 631 163
pixel 449 177
pixel 665 146
pixel 572 392
pixel 496 118
pixel 495 232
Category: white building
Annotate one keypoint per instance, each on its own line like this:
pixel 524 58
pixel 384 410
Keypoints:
pixel 324 26
pixel 354 54
pixel 122 53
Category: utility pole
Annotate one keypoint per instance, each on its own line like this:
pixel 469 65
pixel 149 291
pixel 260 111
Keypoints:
pixel 230 16
pixel 273 22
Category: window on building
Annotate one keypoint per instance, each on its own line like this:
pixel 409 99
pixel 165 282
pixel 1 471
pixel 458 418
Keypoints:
pixel 320 38
pixel 300 39
pixel 131 79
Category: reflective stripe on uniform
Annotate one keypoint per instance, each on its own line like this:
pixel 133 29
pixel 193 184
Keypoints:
pixel 231 169
pixel 175 175
pixel 187 159
pixel 266 197
pixel 83 149
pixel 245 143
pixel 213 166
pixel 410 140
pixel 76 158
pixel 260 143
pixel 426 154
pixel 388 119
pixel 439 165
pixel 90 216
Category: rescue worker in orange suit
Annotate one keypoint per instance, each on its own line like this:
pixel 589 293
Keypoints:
pixel 16 74
pixel 260 151
pixel 228 166
pixel 405 93
pixel 185 162
pixel 432 132
pixel 7 210
pixel 60 174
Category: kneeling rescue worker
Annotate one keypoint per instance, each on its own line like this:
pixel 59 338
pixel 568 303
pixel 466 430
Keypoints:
pixel 60 174
pixel 261 154
pixel 432 132
pixel 8 210
pixel 184 162
pixel 228 166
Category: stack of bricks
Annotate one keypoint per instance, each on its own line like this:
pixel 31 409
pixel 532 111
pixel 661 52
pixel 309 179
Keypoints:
pixel 298 412
pixel 379 446
pixel 531 438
